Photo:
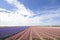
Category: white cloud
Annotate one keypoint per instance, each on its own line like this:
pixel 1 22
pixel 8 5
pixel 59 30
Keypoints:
pixel 16 18
pixel 12 19
pixel 50 15
pixel 20 7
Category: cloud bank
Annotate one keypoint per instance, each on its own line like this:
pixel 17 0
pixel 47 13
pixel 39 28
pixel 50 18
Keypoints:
pixel 23 16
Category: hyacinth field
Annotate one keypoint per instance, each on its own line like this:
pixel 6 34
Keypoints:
pixel 30 33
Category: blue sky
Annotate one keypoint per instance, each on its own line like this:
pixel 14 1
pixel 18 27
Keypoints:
pixel 29 12
pixel 5 5
pixel 33 4
pixel 41 4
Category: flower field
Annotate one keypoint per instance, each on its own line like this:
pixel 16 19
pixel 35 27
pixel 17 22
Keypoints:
pixel 33 33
